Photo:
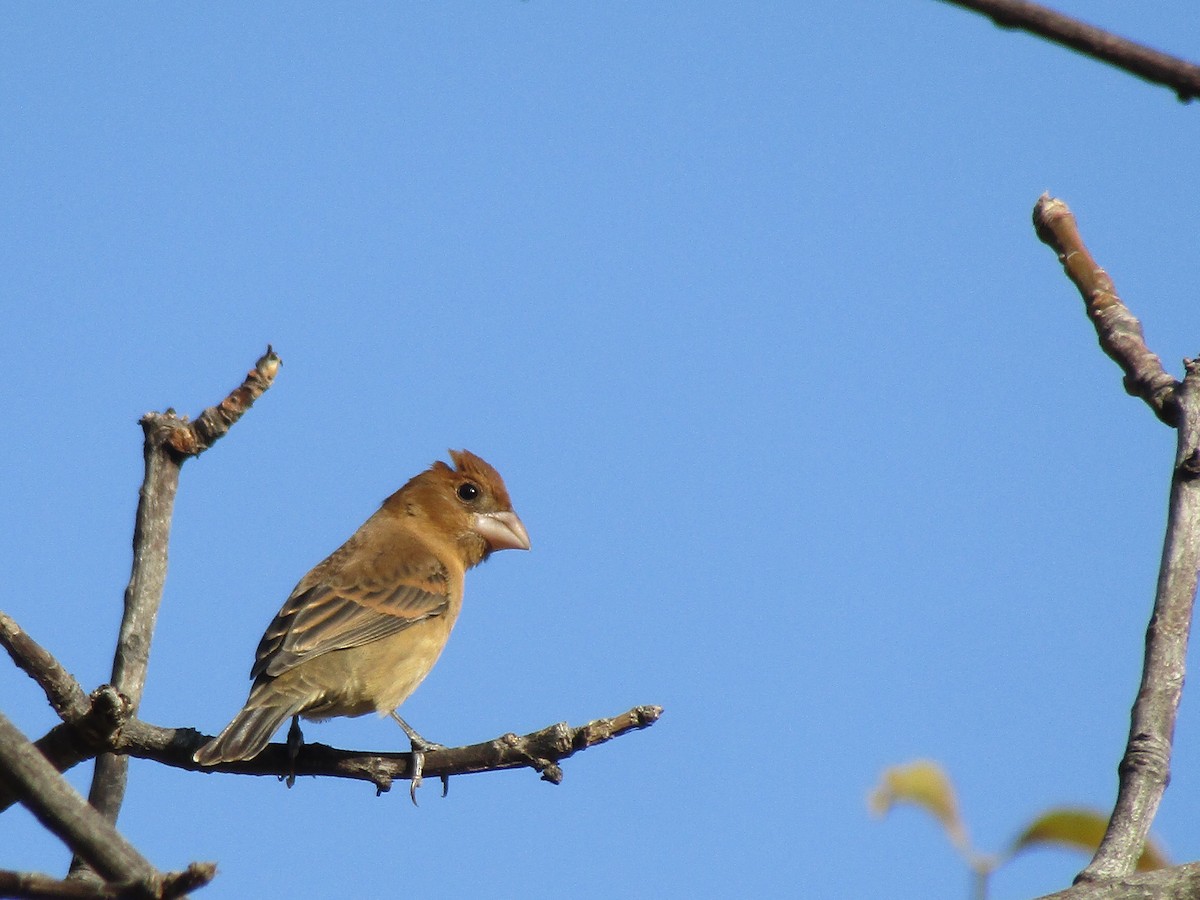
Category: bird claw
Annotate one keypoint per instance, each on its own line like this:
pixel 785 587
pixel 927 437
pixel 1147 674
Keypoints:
pixel 420 746
pixel 418 763
pixel 418 766
pixel 295 740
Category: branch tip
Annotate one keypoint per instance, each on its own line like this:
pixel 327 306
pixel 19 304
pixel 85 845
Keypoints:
pixel 1118 330
pixel 268 364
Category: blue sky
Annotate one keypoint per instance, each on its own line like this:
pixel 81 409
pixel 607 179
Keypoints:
pixel 812 437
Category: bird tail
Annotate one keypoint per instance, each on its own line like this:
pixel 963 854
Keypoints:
pixel 246 735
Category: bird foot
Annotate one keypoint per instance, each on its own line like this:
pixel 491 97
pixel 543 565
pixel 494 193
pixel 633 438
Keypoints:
pixel 418 764
pixel 420 746
pixel 295 740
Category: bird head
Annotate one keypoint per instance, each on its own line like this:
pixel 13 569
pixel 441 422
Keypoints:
pixel 470 503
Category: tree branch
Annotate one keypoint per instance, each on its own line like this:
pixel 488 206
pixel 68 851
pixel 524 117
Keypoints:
pixel 35 886
pixel 541 750
pixel 104 723
pixel 87 721
pixel 62 690
pixel 169 441
pixel 63 811
pixel 1146 63
pixel 1175 883
pixel 1145 767
pixel 1120 333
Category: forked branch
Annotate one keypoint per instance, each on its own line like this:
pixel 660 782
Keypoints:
pixel 1145 767
pixel 104 725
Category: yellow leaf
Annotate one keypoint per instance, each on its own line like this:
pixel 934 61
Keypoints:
pixel 925 784
pixel 1078 829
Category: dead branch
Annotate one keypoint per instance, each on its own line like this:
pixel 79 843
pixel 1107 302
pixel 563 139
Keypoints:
pixel 35 886
pixel 169 440
pixel 541 751
pixel 88 722
pixel 61 809
pixel 104 724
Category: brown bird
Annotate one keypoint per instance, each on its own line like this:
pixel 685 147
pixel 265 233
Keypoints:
pixel 363 628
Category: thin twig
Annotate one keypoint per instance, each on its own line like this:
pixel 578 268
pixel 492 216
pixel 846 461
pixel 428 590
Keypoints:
pixel 1137 59
pixel 1145 767
pixel 62 690
pixel 1119 331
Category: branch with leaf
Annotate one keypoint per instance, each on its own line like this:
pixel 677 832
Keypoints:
pixel 1122 844
pixel 104 725
pixel 925 785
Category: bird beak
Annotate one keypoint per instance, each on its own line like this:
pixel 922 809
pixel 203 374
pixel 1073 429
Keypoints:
pixel 502 531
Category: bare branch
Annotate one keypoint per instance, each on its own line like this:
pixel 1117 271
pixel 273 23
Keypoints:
pixel 1119 331
pixel 88 722
pixel 192 439
pixel 60 808
pixel 105 724
pixel 169 440
pixel 35 886
pixel 62 690
pixel 1145 767
pixel 540 750
pixel 1146 63
pixel 1175 883
pixel 81 737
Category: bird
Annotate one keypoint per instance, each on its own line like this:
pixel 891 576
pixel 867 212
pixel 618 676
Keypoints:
pixel 364 627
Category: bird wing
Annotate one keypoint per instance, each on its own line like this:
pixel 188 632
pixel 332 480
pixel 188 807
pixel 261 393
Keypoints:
pixel 337 607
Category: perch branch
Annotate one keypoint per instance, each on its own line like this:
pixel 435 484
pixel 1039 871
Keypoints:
pixel 104 723
pixel 1146 63
pixel 540 750
pixel 1145 767
pixel 169 440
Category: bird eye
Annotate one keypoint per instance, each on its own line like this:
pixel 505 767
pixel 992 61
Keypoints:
pixel 467 491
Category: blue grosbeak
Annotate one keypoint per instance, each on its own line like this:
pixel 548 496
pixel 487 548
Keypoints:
pixel 364 627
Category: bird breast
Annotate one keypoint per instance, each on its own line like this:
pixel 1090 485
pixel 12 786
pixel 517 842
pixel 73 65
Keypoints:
pixel 376 677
